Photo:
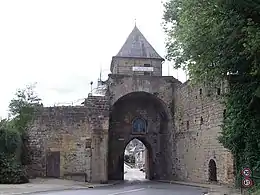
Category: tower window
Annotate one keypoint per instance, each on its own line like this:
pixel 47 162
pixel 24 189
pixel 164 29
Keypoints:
pixel 201 120
pixel 200 91
pixel 188 125
pixel 145 72
pixel 218 91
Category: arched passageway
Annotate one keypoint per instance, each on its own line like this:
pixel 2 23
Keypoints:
pixel 142 116
pixel 212 171
pixel 137 161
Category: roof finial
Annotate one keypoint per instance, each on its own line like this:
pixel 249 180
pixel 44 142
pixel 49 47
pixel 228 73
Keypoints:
pixel 135 22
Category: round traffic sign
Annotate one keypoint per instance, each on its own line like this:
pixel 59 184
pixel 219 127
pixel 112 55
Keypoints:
pixel 246 172
pixel 247 182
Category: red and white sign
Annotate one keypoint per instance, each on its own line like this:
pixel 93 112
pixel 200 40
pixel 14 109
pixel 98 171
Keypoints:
pixel 247 182
pixel 246 172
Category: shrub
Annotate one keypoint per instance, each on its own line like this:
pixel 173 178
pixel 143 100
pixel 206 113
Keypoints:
pixel 11 171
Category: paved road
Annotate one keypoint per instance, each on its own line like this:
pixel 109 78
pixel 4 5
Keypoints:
pixel 135 188
pixel 133 174
pixel 135 184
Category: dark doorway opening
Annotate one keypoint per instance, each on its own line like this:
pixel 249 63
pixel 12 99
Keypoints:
pixel 212 171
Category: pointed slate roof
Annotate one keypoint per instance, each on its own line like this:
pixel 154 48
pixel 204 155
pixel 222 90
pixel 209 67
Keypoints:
pixel 136 46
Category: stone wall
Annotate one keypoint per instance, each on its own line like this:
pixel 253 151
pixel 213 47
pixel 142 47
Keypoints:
pixel 183 127
pixel 198 116
pixel 160 90
pixel 124 66
pixel 162 87
pixel 120 133
pixel 79 133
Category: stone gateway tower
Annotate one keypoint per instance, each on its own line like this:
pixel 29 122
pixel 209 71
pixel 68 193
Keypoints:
pixel 140 101
pixel 178 125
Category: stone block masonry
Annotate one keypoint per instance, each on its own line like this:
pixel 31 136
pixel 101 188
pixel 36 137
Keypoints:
pixel 78 133
pixel 198 116
pixel 184 146
pixel 180 126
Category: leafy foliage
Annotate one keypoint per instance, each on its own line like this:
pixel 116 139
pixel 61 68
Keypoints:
pixel 212 38
pixel 11 170
pixel 23 107
pixel 241 129
pixel 10 139
pixel 13 136
pixel 129 159
pixel 216 41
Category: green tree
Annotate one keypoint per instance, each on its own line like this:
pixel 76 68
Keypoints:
pixel 14 153
pixel 10 139
pixel 24 106
pixel 23 109
pixel 255 101
pixel 11 170
pixel 216 41
pixel 212 38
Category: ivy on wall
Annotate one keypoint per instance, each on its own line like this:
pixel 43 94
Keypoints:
pixel 241 128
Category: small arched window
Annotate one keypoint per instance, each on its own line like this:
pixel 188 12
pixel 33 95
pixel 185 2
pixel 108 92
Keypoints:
pixel 139 125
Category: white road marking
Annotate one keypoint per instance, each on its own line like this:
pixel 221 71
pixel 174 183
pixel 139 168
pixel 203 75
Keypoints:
pixel 128 191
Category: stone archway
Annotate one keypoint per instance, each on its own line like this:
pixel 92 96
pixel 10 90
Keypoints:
pixel 212 171
pixel 148 156
pixel 152 130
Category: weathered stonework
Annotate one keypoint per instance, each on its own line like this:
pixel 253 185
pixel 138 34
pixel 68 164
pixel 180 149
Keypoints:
pixel 161 87
pixel 182 123
pixel 198 116
pixel 124 66
pixel 77 133
pixel 149 98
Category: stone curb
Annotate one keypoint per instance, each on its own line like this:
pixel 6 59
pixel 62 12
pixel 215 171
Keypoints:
pixel 47 190
pixel 62 189
pixel 210 190
pixel 184 184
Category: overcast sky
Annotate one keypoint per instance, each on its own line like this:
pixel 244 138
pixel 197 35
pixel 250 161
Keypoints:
pixel 62 44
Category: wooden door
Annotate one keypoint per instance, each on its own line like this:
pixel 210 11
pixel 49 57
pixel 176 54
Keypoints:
pixel 53 164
